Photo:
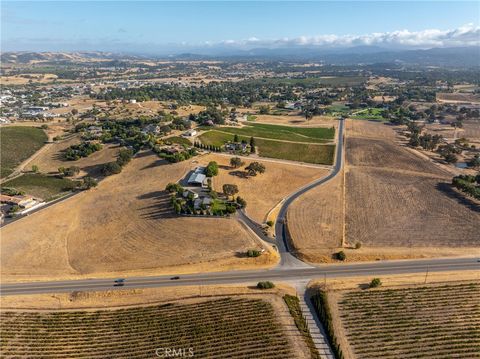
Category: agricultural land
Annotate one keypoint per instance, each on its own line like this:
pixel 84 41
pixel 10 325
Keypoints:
pixel 133 229
pixel 408 322
pixel 18 143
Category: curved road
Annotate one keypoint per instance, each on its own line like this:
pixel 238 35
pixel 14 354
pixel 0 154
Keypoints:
pixel 290 267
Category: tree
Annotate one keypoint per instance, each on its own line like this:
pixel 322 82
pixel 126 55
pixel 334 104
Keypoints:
pixel 111 168
pixel 236 162
pixel 241 202
pixel 74 112
pixel 264 110
pixel 358 245
pixel 174 187
pixel 252 145
pixel 341 256
pixel 235 138
pixel 212 169
pixel 230 189
pixel 35 168
pixel 376 282
pixel 254 168
pixel 89 182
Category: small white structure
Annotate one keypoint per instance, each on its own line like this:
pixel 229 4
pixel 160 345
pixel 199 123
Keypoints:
pixel 190 133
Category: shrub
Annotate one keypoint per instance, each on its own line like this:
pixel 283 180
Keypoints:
pixel 111 168
pixel 270 223
pixel 241 202
pixel 341 256
pixel 253 253
pixel 265 285
pixel 89 182
pixel 376 282
pixel 358 245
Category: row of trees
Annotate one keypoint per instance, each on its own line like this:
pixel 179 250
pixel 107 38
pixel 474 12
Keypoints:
pixel 468 184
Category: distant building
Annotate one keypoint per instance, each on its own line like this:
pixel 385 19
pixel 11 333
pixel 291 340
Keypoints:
pixel 153 129
pixel 21 201
pixel 190 133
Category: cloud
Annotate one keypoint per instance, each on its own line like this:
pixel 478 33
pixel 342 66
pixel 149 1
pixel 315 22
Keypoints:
pixel 467 35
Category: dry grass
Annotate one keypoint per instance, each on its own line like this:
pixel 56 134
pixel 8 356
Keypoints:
pixel 263 191
pixel 50 158
pixel 315 221
pixel 398 204
pixel 26 78
pixel 458 98
pixel 125 225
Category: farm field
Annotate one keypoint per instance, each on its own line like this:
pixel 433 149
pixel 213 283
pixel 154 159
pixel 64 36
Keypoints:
pixel 397 205
pixel 124 226
pixel 299 152
pixel 293 151
pixel 52 157
pixel 416 322
pixel 264 191
pixel 224 327
pixel 286 133
pixel 396 199
pixel 41 186
pixel 315 221
pixel 17 144
pixel 297 120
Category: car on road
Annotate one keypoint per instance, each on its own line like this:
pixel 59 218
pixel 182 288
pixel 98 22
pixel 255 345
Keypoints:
pixel 175 278
pixel 119 282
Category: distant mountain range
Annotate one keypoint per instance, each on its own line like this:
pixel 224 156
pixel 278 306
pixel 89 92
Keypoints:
pixel 452 57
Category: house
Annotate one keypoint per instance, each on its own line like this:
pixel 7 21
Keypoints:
pixel 21 201
pixel 95 130
pixel 190 133
pixel 198 177
pixel 236 146
pixel 152 128
pixel 204 202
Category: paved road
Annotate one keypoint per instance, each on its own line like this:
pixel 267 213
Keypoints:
pixel 287 259
pixel 277 274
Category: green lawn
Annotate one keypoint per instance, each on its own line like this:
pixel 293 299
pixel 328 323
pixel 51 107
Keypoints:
pixel 179 140
pixel 41 186
pixel 301 152
pixel 297 134
pixel 370 114
pixel 251 117
pixel 17 143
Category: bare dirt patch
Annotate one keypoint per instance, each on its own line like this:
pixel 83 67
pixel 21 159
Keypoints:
pixel 264 191
pixel 125 225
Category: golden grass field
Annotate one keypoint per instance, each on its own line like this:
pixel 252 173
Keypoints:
pixel 315 221
pixel 397 204
pixel 28 78
pixel 263 191
pixel 125 225
pixel 50 158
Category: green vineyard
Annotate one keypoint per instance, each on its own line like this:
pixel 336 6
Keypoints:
pixel 424 322
pixel 222 328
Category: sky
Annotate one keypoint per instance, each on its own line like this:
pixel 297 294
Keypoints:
pixel 134 26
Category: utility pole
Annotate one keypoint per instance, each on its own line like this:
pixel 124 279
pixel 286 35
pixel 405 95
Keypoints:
pixel 426 275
